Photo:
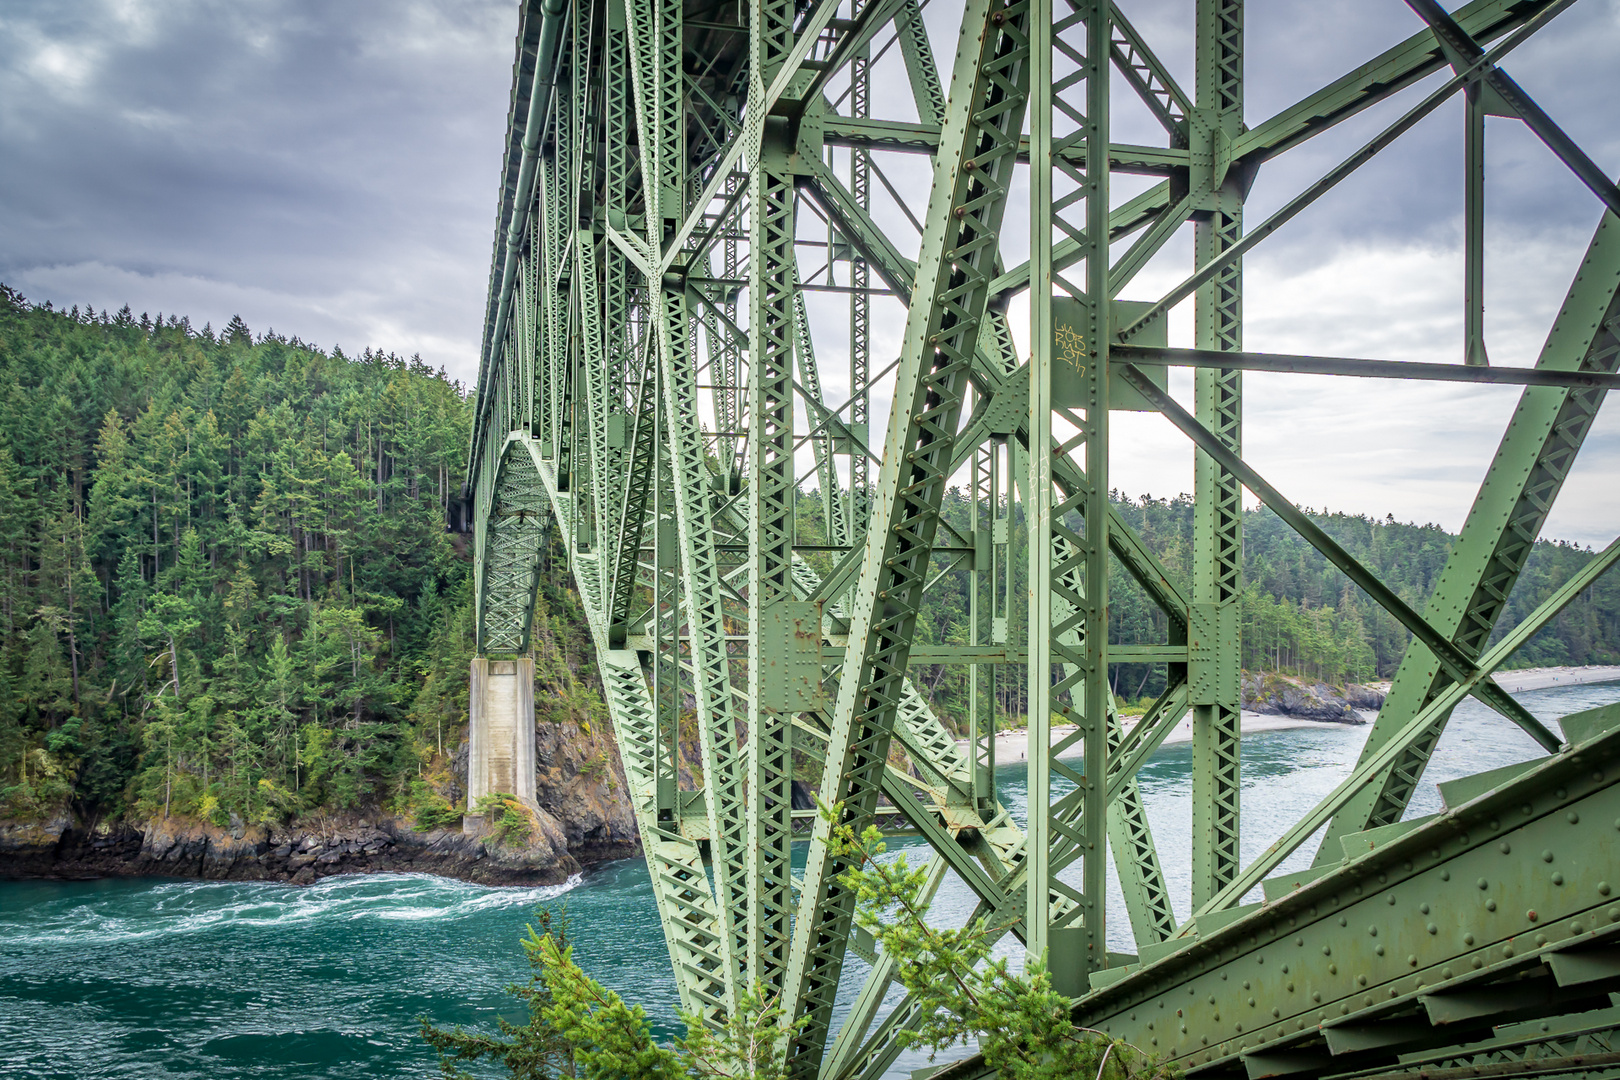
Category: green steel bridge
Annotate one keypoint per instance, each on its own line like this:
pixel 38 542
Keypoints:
pixel 679 176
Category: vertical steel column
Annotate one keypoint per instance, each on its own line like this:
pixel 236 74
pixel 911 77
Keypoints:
pixel 772 280
pixel 1068 537
pixel 554 199
pixel 665 624
pixel 528 331
pixel 728 380
pixel 626 397
pixel 585 290
pixel 600 399
pixel 1474 225
pixel 522 320
pixel 684 472
pixel 824 444
pixel 982 576
pixel 719 347
pixel 1218 514
pixel 860 303
pixel 1038 720
pixel 670 133
pixel 659 139
pixel 584 355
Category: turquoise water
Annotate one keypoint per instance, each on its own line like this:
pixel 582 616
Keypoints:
pixel 167 979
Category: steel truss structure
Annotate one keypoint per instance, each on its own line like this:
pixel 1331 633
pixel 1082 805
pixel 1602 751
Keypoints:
pixel 679 176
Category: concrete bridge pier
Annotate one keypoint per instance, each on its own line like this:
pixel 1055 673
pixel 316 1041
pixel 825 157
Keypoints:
pixel 501 751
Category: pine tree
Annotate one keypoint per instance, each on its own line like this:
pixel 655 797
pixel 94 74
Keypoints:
pixel 237 332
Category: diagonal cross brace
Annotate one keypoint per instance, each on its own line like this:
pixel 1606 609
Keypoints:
pixel 1339 172
pixel 1368 771
pixel 1466 55
pixel 1458 666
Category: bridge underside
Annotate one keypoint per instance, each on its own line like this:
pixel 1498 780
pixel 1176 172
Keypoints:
pixel 772 551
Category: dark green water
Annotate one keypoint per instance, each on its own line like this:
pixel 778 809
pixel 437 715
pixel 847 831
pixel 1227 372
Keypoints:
pixel 163 979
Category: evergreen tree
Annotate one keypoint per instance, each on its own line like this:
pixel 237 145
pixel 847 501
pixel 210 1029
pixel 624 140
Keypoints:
pixel 220 572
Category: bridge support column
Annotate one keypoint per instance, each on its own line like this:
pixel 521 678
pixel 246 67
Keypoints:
pixel 501 754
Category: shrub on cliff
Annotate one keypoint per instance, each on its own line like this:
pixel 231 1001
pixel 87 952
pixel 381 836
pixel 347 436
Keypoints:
pixel 37 792
pixel 509 818
pixel 432 810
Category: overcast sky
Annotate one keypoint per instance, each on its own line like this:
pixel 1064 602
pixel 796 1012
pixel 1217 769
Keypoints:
pixel 329 170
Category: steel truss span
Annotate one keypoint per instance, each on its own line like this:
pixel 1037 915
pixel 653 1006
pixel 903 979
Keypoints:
pixel 712 278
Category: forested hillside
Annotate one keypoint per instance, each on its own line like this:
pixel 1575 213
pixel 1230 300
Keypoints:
pixel 225 581
pixel 1301 616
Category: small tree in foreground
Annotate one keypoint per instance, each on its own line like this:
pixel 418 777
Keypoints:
pixel 1023 1027
pixel 613 1040
pixel 532 1051
pixel 578 1027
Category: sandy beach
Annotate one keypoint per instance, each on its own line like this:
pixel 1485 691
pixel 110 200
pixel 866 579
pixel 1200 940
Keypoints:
pixel 1542 677
pixel 1014 745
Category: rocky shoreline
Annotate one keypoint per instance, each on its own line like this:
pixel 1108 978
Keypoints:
pixel 1271 694
pixel 583 816
pixel 296 855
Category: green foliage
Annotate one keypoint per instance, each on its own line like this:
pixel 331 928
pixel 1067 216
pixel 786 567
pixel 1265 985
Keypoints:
pixel 225 582
pixel 40 787
pixel 613 1040
pixel 578 1027
pixel 433 811
pixel 1022 1026
pixel 531 1051
pixel 510 818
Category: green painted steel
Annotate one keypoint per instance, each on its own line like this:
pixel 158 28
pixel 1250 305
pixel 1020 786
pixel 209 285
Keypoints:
pixel 686 188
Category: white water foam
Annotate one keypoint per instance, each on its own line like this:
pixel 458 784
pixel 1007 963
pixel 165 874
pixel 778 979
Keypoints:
pixel 174 908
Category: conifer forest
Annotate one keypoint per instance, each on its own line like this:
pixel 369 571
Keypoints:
pixel 227 587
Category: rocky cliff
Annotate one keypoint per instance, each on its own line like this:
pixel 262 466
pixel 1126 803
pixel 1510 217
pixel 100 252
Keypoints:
pixel 584 816
pixel 298 854
pixel 580 784
pixel 1286 695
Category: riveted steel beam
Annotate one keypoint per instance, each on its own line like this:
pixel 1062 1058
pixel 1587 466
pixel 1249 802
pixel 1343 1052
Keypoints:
pixel 988 93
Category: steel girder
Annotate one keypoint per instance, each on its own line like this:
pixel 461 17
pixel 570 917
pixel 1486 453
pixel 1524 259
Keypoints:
pixel 679 179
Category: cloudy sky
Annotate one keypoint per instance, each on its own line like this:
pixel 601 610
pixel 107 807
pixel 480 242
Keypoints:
pixel 325 169
pixel 329 170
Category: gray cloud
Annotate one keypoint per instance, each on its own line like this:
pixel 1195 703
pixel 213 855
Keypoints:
pixel 330 170
pixel 325 168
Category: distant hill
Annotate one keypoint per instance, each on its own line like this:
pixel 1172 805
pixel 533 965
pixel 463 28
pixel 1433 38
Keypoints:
pixel 226 588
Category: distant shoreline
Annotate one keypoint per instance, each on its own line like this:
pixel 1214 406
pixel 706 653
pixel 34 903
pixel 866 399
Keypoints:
pixel 1012 746
pixel 1544 678
pixel 1541 678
